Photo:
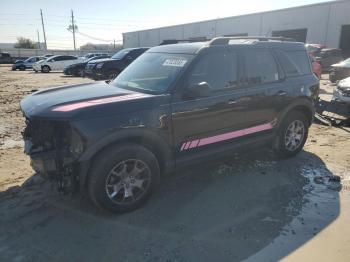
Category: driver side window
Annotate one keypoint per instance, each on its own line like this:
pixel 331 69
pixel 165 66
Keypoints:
pixel 218 69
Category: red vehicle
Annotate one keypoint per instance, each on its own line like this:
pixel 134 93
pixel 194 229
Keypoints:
pixel 316 66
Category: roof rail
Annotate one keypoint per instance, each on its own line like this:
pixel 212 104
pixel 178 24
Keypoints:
pixel 176 41
pixel 226 40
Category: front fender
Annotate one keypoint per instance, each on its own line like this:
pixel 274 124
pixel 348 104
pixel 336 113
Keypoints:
pixel 142 135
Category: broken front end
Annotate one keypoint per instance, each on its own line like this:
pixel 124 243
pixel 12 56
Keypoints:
pixel 54 148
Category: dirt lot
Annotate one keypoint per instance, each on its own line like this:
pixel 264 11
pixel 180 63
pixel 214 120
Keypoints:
pixel 252 207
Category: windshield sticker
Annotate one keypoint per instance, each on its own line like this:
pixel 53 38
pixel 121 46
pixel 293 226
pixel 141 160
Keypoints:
pixel 178 62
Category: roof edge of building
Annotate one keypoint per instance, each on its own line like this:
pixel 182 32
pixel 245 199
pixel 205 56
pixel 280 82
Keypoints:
pixel 243 15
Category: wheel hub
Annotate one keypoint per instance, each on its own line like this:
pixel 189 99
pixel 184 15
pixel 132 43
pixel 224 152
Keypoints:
pixel 128 181
pixel 294 135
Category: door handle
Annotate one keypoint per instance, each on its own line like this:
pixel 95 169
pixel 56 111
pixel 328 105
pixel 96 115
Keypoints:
pixel 232 102
pixel 281 93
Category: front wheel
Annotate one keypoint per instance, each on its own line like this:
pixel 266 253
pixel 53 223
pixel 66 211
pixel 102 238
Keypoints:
pixel 45 69
pixel 292 135
pixel 113 75
pixel 122 178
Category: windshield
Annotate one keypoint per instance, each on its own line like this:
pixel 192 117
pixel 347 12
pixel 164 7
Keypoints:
pixel 153 72
pixel 121 54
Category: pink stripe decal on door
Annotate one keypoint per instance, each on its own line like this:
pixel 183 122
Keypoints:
pixel 235 134
pixel 225 136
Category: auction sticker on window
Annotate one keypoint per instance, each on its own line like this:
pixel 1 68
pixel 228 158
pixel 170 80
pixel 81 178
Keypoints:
pixel 176 61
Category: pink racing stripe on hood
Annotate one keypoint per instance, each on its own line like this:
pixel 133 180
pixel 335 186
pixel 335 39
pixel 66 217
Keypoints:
pixel 101 101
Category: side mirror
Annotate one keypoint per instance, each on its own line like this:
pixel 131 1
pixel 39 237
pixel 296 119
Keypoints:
pixel 201 89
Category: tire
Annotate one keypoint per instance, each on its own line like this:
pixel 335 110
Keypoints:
pixel 290 143
pixel 113 75
pixel 332 78
pixel 35 71
pixel 115 178
pixel 45 69
pixel 22 68
pixel 80 72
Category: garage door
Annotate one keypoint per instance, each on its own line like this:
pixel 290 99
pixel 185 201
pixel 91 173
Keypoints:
pixel 297 34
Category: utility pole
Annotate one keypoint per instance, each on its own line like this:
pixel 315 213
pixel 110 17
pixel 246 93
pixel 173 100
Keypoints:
pixel 42 23
pixel 114 44
pixel 73 28
pixel 37 31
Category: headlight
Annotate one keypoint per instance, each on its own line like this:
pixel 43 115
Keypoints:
pixel 99 65
pixel 76 143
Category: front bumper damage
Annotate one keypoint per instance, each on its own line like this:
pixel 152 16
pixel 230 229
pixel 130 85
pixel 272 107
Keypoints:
pixel 54 148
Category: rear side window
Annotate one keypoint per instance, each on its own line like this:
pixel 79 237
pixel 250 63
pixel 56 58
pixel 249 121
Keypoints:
pixel 260 67
pixel 294 63
pixel 218 69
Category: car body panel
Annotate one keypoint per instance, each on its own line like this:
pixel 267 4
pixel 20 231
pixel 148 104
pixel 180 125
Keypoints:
pixel 178 128
pixel 102 69
pixel 55 63
pixel 26 64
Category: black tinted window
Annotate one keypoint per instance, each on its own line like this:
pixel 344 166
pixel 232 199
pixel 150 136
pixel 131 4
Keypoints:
pixel 260 67
pixel 300 60
pixel 58 58
pixel 218 69
pixel 68 57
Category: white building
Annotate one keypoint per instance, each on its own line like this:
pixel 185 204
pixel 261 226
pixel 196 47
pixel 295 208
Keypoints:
pixel 324 23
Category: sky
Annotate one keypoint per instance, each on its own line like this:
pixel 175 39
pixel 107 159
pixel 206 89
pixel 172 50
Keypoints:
pixel 104 21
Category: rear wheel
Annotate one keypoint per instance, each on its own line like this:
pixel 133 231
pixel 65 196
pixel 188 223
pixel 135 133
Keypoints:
pixel 292 135
pixel 122 178
pixel 45 69
pixel 332 77
pixel 80 72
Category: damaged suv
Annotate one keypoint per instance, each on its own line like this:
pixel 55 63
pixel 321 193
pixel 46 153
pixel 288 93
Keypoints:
pixel 175 105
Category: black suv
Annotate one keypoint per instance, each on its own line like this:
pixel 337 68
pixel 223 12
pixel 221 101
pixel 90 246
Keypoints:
pixel 175 105
pixel 110 68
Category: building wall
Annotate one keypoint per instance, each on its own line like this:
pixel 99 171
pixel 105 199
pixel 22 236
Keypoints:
pixel 323 22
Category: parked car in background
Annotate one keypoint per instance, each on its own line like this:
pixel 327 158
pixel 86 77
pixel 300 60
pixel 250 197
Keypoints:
pixel 90 55
pixel 55 63
pixel 314 49
pixel 328 57
pixel 340 71
pixel 48 55
pixel 342 92
pixel 175 106
pixel 5 58
pixel 26 64
pixel 103 69
pixel 316 66
pixel 78 69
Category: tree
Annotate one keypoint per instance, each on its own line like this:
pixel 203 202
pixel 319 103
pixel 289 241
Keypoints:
pixel 23 42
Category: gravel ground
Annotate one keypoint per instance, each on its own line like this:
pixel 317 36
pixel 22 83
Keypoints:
pixel 246 207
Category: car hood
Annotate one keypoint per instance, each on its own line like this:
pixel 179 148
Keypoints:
pixel 85 101
pixel 341 64
pixel 103 60
pixel 344 84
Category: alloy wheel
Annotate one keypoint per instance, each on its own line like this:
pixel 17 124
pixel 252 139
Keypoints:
pixel 128 181
pixel 294 135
